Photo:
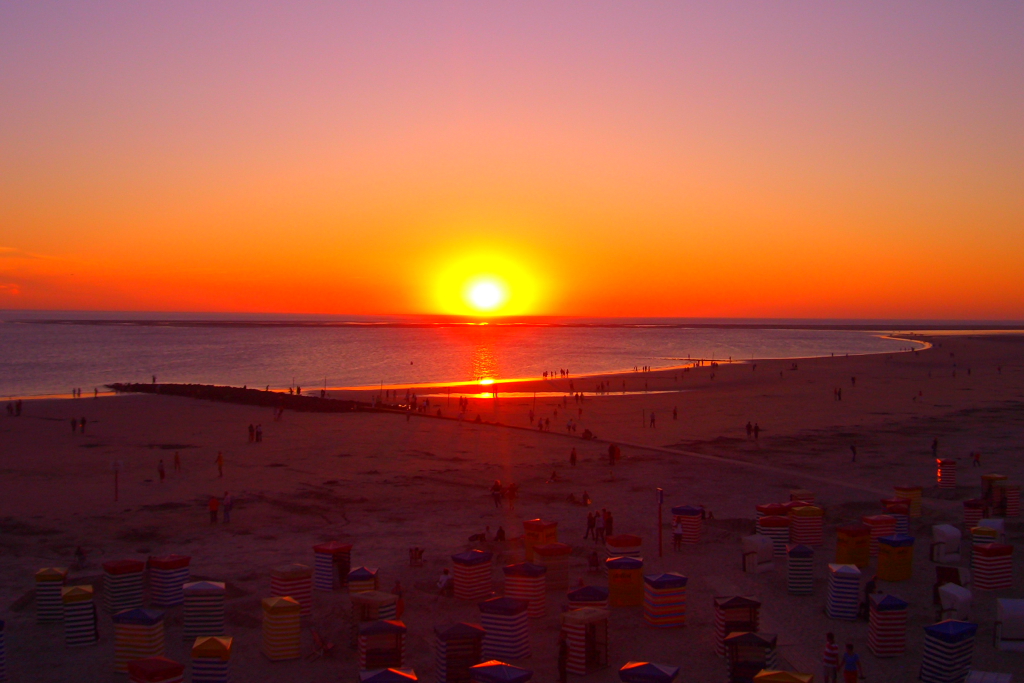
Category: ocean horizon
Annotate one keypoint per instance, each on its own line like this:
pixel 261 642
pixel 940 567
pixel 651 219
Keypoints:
pixel 47 353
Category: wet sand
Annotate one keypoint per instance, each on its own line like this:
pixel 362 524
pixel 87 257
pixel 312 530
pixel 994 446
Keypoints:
pixel 385 482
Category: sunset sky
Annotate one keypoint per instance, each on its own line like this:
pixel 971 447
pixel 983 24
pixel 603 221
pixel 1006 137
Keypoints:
pixel 597 159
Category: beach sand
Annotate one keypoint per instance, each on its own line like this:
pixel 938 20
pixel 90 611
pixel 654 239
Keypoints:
pixel 385 482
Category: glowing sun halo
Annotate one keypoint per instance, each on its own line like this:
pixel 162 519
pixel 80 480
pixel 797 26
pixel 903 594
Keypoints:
pixel 486 295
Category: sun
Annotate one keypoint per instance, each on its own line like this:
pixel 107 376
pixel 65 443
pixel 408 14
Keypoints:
pixel 486 294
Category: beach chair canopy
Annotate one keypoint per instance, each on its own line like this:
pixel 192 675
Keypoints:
pixel 139 617
pixel 472 557
pixel 376 628
pixel 388 676
pixel 952 631
pixel 154 669
pixel 767 676
pixel 687 511
pixel 525 569
pixel 887 603
pixel 666 580
pixel 799 550
pixel 647 672
pixel 505 606
pixel 955 598
pixel 1010 624
pixel 624 563
pixel 494 671
pixel 988 677
pixel 459 631
pixel 948 534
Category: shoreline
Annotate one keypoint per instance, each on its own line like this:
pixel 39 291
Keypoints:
pixel 610 375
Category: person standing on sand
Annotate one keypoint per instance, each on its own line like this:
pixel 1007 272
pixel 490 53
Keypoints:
pixel 599 527
pixel 677 535
pixel 496 492
pixel 252 433
pixel 590 527
pixel 652 419
pixel 609 523
pixel 757 431
pixel 74 425
pixel 852 668
pixel 830 659
pixel 572 457
pixel 228 503
pixel 220 465
pixel 82 422
pixel 177 462
pixel 213 505
pixel 161 471
pixel 853 453
pixel 750 429
pixel 512 493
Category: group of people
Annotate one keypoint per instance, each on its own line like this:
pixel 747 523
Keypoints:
pixel 255 433
pixel 162 473
pixel 75 425
pixel 753 430
pixel 217 504
pixel 551 373
pixel 600 525
pixel 14 408
pixel 509 493
pixel 77 393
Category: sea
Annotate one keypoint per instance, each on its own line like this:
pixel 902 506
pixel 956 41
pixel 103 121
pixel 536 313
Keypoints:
pixel 47 353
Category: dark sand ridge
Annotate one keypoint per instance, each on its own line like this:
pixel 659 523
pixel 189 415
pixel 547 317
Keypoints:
pixel 385 483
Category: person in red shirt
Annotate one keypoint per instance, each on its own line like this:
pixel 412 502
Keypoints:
pixel 830 658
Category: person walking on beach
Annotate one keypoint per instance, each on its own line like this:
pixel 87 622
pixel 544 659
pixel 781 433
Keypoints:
pixel 228 503
pixel 652 419
pixel 677 535
pixel 82 422
pixel 609 523
pixel 177 462
pixel 750 429
pixel 852 668
pixel 572 458
pixel 512 493
pixel 161 471
pixel 590 532
pixel 830 659
pixel 74 425
pixel 496 493
pixel 599 527
pixel 220 465
pixel 252 433
pixel 757 431
pixel 213 505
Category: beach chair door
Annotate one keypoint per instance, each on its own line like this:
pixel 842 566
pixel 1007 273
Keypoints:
pixel 597 645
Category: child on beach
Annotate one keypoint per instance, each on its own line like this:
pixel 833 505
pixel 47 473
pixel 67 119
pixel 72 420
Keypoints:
pixel 830 659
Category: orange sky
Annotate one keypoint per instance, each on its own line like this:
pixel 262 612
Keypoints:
pixel 620 160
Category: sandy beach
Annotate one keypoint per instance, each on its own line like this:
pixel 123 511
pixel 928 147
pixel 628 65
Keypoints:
pixel 386 482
